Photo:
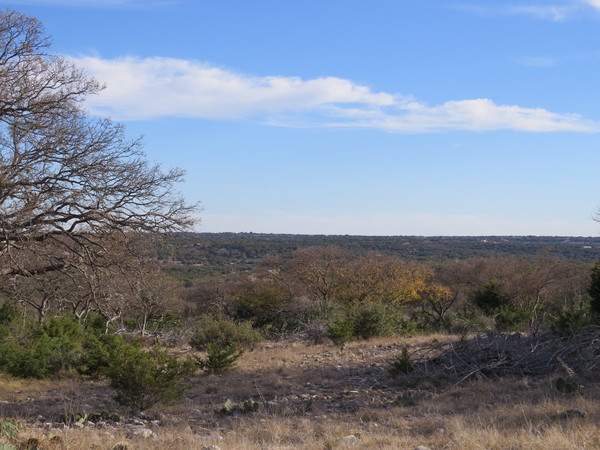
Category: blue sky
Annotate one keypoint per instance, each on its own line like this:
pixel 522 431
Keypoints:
pixel 387 117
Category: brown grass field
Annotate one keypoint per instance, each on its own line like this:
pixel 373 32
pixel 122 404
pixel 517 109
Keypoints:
pixel 316 397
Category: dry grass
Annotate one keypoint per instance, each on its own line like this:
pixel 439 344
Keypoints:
pixel 311 397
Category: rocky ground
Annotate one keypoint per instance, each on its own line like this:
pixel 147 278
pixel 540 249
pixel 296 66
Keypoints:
pixel 286 395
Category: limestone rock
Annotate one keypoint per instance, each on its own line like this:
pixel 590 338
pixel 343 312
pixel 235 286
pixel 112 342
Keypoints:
pixel 349 441
pixel 140 431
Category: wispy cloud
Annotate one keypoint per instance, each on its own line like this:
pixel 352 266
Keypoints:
pixel 473 115
pixel 143 88
pixel 592 3
pixel 549 10
pixel 165 87
pixel 554 13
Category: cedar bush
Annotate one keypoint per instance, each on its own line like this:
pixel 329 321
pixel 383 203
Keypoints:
pixel 380 319
pixel 97 353
pixel 490 298
pixel 219 358
pixel 144 378
pixel 512 318
pixel 402 365
pixel 33 350
pixel 341 330
pixel 594 292
pixel 566 322
pixel 224 332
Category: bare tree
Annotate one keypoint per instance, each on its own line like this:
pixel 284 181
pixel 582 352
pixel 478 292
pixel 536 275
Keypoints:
pixel 67 179
pixel 151 292
pixel 321 270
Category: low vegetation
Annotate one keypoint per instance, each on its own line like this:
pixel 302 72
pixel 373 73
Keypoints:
pixel 327 349
pixel 294 395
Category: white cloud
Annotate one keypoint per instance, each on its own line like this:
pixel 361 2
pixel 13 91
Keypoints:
pixel 555 10
pixel 593 3
pixel 474 115
pixel 167 87
pixel 554 13
pixel 151 87
pixel 417 224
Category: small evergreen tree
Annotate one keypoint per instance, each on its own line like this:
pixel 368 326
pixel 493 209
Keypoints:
pixel 224 332
pixel 341 331
pixel 594 292
pixel 490 298
pixel 219 358
pixel 143 378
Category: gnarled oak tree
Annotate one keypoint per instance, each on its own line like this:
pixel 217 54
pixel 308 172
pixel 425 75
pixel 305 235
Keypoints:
pixel 67 179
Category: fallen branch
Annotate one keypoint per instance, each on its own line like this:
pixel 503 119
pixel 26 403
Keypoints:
pixel 493 355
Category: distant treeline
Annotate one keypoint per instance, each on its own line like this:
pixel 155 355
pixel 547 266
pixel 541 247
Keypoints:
pixel 226 252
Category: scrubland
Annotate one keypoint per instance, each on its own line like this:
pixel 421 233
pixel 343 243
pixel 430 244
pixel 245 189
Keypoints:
pixel 316 397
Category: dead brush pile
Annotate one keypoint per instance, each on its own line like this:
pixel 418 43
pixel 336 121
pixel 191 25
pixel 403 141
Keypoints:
pixel 492 355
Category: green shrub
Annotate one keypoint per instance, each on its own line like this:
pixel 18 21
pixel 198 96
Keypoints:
pixel 8 312
pixel 63 337
pixel 403 327
pixel 262 304
pixel 489 298
pixel 402 365
pixel 41 351
pixel 143 378
pixel 95 323
pixel 372 320
pixel 31 359
pixel 566 385
pixel 512 318
pixel 131 324
pixel 594 292
pixel 341 330
pixel 97 352
pixel 382 319
pixel 224 342
pixel 225 333
pixel 219 358
pixel 566 322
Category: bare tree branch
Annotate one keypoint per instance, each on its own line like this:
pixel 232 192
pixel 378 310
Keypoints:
pixel 68 179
